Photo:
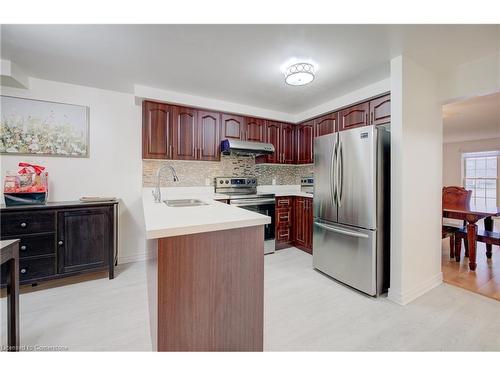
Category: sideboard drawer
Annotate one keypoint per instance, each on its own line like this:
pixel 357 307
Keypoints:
pixel 36 268
pixel 33 269
pixel 43 244
pixel 18 223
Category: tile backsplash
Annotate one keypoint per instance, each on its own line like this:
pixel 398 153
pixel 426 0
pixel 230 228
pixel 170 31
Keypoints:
pixel 196 173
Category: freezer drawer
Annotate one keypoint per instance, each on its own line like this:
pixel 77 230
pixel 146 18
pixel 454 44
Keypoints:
pixel 347 254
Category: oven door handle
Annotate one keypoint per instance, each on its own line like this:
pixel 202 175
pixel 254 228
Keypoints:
pixel 250 202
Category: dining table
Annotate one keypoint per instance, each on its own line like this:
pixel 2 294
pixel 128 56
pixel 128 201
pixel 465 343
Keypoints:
pixel 471 214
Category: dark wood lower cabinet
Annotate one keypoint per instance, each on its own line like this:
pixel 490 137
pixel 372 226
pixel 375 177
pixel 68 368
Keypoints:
pixel 58 240
pixel 294 223
pixel 283 222
pixel 303 223
pixel 83 239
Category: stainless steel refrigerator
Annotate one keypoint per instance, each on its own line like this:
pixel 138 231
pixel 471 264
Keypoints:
pixel 351 207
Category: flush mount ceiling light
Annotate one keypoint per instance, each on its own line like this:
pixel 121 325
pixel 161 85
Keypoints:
pixel 299 74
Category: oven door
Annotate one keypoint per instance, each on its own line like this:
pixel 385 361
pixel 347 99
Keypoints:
pixel 265 207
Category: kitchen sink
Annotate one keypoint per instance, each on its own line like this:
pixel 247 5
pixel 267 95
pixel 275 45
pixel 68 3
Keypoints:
pixel 184 202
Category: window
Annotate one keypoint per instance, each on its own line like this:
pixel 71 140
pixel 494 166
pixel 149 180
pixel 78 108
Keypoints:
pixel 480 176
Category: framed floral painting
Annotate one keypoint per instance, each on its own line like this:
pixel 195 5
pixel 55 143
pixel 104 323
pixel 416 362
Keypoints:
pixel 37 127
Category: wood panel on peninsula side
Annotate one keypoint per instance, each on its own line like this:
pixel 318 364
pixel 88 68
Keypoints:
pixel 210 291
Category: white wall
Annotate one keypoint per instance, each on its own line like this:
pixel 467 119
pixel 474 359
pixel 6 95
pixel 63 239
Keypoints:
pixel 453 164
pixel 145 92
pixel 478 77
pixel 114 165
pixel 416 176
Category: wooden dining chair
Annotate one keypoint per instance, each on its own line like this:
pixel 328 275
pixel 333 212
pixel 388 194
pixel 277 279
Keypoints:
pixel 459 198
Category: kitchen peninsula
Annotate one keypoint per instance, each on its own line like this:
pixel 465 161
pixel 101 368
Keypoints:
pixel 206 277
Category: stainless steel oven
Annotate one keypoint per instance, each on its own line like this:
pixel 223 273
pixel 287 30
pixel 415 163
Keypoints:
pixel 243 194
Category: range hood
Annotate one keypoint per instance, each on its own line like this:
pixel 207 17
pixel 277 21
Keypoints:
pixel 235 146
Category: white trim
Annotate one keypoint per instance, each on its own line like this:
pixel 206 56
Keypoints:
pixel 139 257
pixel 403 298
pixel 480 154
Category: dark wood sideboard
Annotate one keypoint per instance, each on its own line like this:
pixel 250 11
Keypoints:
pixel 61 239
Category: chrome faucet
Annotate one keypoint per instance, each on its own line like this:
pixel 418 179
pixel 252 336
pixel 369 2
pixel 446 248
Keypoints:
pixel 157 192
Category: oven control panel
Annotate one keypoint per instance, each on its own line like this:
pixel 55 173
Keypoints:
pixel 235 182
pixel 307 181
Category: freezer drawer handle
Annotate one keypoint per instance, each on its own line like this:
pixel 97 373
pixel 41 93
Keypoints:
pixel 342 231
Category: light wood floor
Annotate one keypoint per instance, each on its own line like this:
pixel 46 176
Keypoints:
pixel 304 310
pixel 484 280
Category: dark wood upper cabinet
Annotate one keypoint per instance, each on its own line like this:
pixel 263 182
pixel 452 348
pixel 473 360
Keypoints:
pixel 305 138
pixel 354 116
pixel 380 110
pixel 182 133
pixel 185 137
pixel 287 144
pixel 232 126
pixel 325 124
pixel 255 129
pixel 282 136
pixel 157 131
pixel 273 135
pixel 208 135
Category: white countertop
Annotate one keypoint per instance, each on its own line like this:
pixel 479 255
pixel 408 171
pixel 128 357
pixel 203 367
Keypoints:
pixel 283 190
pixel 163 221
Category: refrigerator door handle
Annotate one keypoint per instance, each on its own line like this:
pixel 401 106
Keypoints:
pixel 333 175
pixel 340 174
pixel 341 231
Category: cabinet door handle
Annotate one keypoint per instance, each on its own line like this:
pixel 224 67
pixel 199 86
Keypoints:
pixel 170 151
pixel 23 247
pixel 366 119
pixel 24 225
pixel 60 243
pixel 23 270
pixel 371 120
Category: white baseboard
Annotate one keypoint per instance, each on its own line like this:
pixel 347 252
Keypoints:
pixel 139 257
pixel 403 298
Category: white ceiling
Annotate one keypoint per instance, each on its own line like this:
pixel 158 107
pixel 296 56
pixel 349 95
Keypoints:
pixel 476 118
pixel 237 63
